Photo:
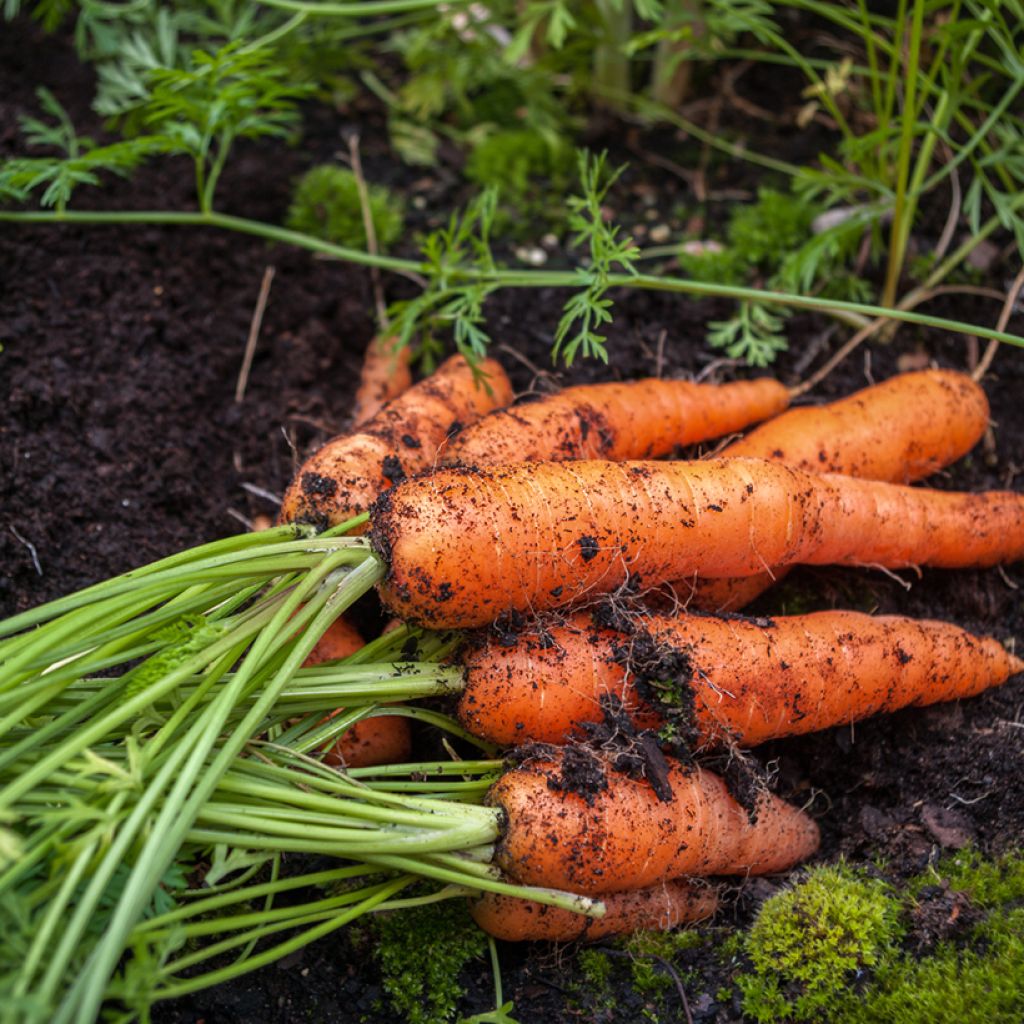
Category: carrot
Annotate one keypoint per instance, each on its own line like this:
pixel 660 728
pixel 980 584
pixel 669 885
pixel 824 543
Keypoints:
pixel 384 376
pixel 658 908
pixel 714 680
pixel 342 479
pixel 462 547
pixel 901 430
pixel 584 828
pixel 339 640
pixel 637 420
pixel 381 739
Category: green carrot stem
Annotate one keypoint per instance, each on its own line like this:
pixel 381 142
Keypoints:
pixel 195 779
pixel 502 278
pixel 333 923
pixel 550 897
pixel 209 904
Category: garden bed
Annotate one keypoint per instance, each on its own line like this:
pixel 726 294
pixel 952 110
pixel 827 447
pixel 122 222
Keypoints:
pixel 121 441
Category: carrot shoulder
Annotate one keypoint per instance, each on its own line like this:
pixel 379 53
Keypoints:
pixel 634 420
pixel 464 547
pixel 657 908
pixel 747 680
pixel 343 478
pixel 617 834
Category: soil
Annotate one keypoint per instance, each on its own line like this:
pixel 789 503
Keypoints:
pixel 121 440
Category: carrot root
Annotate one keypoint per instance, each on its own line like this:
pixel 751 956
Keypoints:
pixel 342 479
pixel 379 739
pixel 462 547
pixel 384 376
pixel 660 907
pixel 605 832
pixel 721 680
pixel 635 420
pixel 879 433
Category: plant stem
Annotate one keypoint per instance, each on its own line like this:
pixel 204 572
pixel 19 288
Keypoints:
pixel 511 278
pixel 901 214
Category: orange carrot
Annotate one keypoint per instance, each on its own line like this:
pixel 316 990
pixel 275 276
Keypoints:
pixel 384 376
pixel 405 437
pixel 636 420
pixel 381 739
pixel 658 908
pixel 339 640
pixel 462 547
pixel 748 680
pixel 587 829
pixel 901 430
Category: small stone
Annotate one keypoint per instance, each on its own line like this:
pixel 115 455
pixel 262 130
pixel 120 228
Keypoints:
pixel 983 255
pixel 660 233
pixel 913 361
pixel 533 254
pixel 950 827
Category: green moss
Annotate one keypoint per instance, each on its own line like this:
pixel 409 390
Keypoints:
pixel 766 232
pixel 421 953
pixel 596 969
pixel 518 162
pixel 326 204
pixel 953 985
pixel 988 883
pixel 716 266
pixel 810 940
pixel 663 944
pixel 531 173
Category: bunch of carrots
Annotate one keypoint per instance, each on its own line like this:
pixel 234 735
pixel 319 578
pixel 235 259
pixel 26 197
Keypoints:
pixel 556 519
pixel 563 581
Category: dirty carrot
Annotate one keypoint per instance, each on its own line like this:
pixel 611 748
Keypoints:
pixel 375 740
pixel 901 430
pixel 634 420
pixel 462 547
pixel 341 479
pixel 573 823
pixel 716 680
pixel 385 375
pixel 657 908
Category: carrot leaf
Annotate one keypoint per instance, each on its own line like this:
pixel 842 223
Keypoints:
pixel 588 309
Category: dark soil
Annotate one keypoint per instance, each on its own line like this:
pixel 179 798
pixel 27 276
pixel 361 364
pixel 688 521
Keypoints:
pixel 121 441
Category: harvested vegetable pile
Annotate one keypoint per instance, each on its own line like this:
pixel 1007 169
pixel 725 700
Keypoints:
pixel 195 711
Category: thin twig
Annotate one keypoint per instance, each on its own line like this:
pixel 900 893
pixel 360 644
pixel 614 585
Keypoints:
pixel 1004 318
pixel 260 492
pixel 254 333
pixel 243 519
pixel 371 233
pixel 673 973
pixel 31 550
pixel 949 229
pixel 908 303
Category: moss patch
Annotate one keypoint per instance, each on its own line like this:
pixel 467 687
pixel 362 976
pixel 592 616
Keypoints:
pixel 421 953
pixel 326 204
pixel 846 948
pixel 811 940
